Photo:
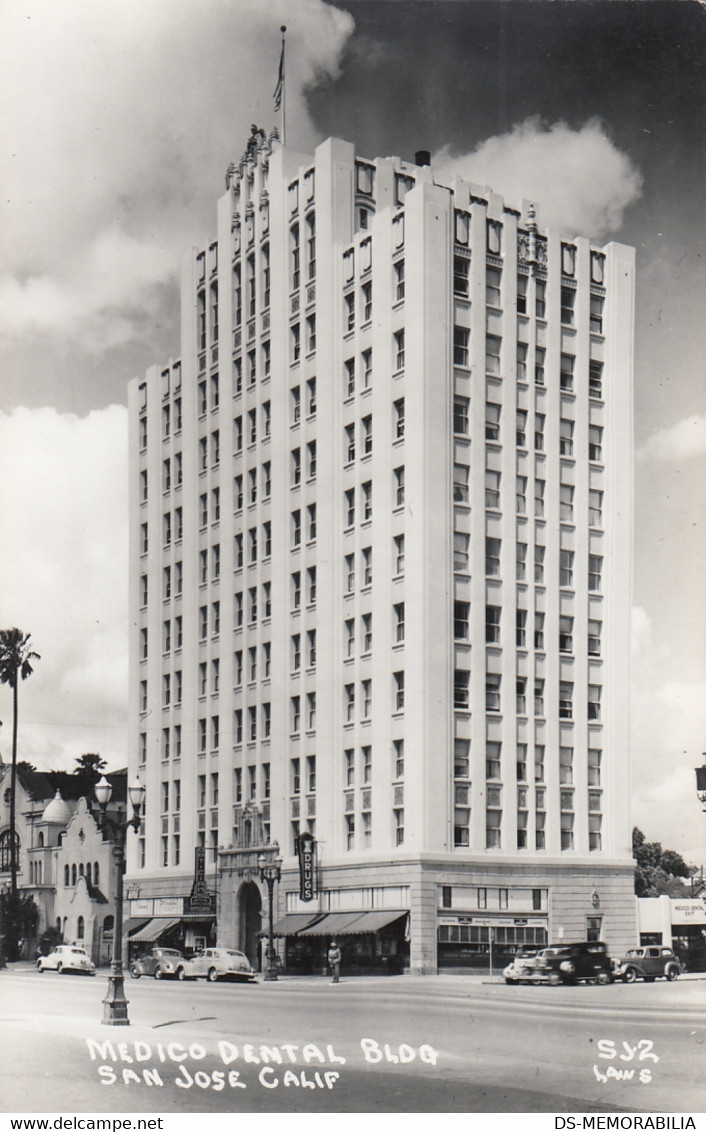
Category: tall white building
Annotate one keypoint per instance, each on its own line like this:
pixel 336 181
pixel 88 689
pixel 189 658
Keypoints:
pixel 381 572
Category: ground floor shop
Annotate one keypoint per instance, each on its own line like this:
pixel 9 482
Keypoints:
pixel 676 923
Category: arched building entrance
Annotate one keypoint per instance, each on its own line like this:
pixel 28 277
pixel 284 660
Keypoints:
pixel 249 903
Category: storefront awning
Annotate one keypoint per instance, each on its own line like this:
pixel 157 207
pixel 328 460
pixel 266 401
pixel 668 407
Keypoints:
pixel 373 922
pixel 352 923
pixel 295 922
pixel 152 930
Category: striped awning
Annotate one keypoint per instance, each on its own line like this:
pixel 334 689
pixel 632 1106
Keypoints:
pixel 295 922
pixel 153 929
pixel 353 923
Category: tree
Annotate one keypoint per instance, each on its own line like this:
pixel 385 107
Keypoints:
pixel 16 656
pixel 89 769
pixel 657 870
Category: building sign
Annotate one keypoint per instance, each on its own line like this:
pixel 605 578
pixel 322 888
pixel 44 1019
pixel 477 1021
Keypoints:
pixel 200 900
pixel 168 905
pixel 133 892
pixel 141 907
pixel 688 912
pixel 306 850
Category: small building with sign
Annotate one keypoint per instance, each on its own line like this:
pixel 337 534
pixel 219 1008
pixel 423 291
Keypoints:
pixel 679 923
pixel 183 919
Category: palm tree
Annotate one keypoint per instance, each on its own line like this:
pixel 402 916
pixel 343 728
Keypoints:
pixel 16 658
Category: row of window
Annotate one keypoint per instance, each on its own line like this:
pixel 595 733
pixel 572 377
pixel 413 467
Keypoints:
pixel 493 550
pixel 493 687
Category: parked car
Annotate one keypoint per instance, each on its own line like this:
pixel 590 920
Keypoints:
pixel 648 963
pixel 160 961
pixel 217 963
pixel 585 961
pixel 522 966
pixel 64 959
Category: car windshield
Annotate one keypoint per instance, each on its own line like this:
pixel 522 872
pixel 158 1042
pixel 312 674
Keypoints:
pixel 235 954
pixel 167 951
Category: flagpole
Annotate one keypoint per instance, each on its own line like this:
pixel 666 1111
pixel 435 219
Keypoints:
pixel 282 87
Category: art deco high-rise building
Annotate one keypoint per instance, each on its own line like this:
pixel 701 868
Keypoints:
pixel 381 571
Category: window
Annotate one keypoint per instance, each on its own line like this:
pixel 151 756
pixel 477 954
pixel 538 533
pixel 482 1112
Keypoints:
pixel 493 820
pixel 267 538
pixel 493 279
pixel 462 751
pixel 492 489
pixel 566 502
pixel 492 421
pixel 461 271
pixel 521 766
pixel 522 282
pixel 594 637
pixel 568 299
pixel 398 544
pixel 595 379
pixel 539 356
pixel 492 557
pixel 398 407
pixel 311 579
pixel 566 568
pixel 521 495
pixel 492 691
pixel 349 506
pixel 566 639
pixel 462 611
pixel 366 490
pixel 367 359
pixel 494 231
pixel 595 569
pixel 461 426
pixel 540 300
pixel 461 474
pixel 596 314
pixel 566 695
pixel 349 310
pixel 349 572
pixel 539 697
pixel 311 711
pixel 366 696
pixel 398 269
pixel 492 624
pixel 398 611
pixel 311 334
pixel 539 631
pixel 594 766
pixel 594 701
pixel 521 561
pixel 296 525
pixel 521 628
pixel 566 437
pixel 398 678
pixel 294 255
pixel 461 336
pixel 566 766
pixel 311 396
pixel 461 690
pixel 311 245
pixel 367 431
pixel 144 538
pixel 295 714
pixel 595 443
pixel 311 460
pixel 521 428
pixel 566 372
pixel 399 486
pixel 367 623
pixel 367 555
pixel 349 377
pixel 492 354
pixel 399 350
pixel 349 702
pixel 595 508
pixel 538 765
pixel 567 831
pixel 367 296
pixel 252 597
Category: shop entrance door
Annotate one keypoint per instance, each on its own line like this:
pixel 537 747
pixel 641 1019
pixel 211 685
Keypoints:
pixel 250 919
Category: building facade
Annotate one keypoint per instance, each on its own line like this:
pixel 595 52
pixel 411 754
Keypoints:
pixel 381 570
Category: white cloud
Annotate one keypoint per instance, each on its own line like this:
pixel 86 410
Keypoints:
pixel 117 142
pixel 580 182
pixel 679 441
pixel 63 576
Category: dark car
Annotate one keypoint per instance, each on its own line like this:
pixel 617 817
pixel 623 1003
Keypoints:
pixel 574 963
pixel 648 963
pixel 162 962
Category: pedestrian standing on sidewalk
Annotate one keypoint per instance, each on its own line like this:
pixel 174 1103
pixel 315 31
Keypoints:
pixel 334 960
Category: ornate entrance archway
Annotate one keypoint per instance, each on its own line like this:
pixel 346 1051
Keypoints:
pixel 250 921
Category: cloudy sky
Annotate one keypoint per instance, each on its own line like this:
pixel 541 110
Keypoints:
pixel 124 117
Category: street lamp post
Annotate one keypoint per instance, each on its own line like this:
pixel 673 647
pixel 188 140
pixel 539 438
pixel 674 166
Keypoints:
pixel 270 872
pixel 700 772
pixel 115 1003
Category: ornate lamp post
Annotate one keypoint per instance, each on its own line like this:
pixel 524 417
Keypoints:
pixel 700 772
pixel 270 871
pixel 116 826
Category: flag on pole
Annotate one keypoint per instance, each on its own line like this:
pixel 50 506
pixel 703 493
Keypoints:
pixel 279 89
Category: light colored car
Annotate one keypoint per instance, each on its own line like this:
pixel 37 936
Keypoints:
pixel 66 958
pixel 522 967
pixel 217 963
pixel 648 963
pixel 162 962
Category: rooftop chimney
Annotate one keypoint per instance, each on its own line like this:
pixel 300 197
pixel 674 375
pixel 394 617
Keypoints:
pixel 422 157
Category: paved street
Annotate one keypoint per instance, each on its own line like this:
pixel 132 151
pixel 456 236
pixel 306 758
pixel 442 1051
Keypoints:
pixel 367 1045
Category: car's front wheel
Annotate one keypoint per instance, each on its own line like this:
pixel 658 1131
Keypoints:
pixel 554 979
pixel 603 978
pixel 212 975
pixel 135 972
pixel 180 974
pixel 671 972
pixel 40 967
pixel 158 972
pixel 630 975
pixel 60 968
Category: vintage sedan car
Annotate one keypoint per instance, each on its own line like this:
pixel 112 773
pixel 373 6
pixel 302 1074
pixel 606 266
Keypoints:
pixel 65 959
pixel 217 963
pixel 161 962
pixel 648 963
pixel 522 967
pixel 585 961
